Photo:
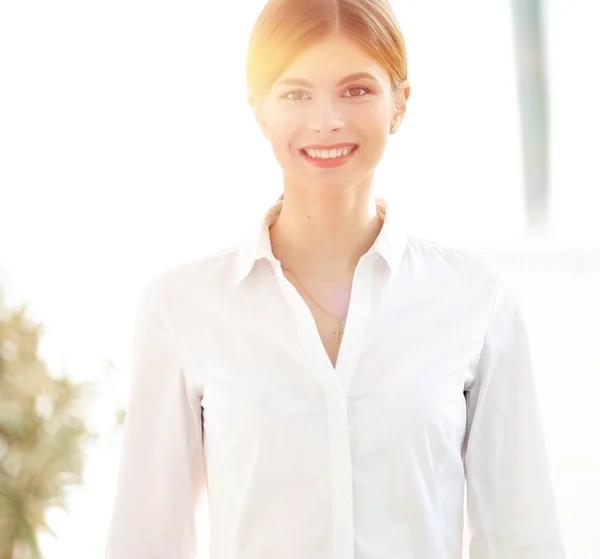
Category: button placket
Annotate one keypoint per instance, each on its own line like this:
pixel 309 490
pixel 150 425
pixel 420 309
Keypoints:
pixel 341 458
pixel 357 322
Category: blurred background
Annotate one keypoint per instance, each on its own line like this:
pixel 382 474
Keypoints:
pixel 126 147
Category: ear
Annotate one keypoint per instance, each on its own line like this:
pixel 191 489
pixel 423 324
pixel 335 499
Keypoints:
pixel 400 105
pixel 259 115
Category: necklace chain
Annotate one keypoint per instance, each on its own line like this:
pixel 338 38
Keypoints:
pixel 339 331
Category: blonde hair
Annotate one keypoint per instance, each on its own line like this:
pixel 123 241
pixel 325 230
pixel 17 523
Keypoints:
pixel 285 28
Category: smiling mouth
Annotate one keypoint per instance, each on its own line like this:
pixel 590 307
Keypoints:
pixel 329 154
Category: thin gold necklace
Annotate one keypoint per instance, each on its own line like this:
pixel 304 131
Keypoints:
pixel 339 331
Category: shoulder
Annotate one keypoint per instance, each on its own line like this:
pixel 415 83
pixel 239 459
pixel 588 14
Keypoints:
pixel 471 286
pixel 434 257
pixel 449 277
pixel 198 277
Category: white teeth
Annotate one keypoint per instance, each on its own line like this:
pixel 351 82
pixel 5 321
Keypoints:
pixel 328 153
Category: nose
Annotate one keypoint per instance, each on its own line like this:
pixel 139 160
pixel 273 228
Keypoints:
pixel 325 116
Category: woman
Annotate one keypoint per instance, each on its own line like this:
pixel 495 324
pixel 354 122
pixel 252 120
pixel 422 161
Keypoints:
pixel 330 380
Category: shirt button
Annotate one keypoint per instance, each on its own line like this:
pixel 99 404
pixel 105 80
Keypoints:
pixel 338 398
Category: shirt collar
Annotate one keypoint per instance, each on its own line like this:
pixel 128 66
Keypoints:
pixel 256 245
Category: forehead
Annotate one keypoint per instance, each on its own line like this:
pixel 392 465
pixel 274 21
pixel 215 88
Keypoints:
pixel 332 59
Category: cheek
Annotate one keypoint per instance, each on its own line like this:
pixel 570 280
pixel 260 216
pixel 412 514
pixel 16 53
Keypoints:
pixel 369 119
pixel 374 124
pixel 378 117
pixel 281 142
pixel 283 127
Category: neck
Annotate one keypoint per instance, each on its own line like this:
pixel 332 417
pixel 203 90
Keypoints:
pixel 324 236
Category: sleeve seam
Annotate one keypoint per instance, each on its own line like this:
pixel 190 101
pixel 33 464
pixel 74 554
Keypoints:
pixel 173 334
pixel 179 353
pixel 490 316
pixel 170 321
pixel 486 328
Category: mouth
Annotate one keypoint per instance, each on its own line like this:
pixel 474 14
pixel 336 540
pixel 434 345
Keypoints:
pixel 325 156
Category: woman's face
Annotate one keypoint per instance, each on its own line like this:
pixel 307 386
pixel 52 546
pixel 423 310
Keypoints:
pixel 328 117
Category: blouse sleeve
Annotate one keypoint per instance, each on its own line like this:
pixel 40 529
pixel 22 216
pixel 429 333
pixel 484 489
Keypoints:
pixel 161 476
pixel 511 504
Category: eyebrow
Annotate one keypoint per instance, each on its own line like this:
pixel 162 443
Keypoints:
pixel 306 83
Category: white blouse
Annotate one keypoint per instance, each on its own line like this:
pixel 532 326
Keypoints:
pixel 234 397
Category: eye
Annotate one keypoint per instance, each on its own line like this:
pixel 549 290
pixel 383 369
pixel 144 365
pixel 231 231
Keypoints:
pixel 355 91
pixel 295 95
